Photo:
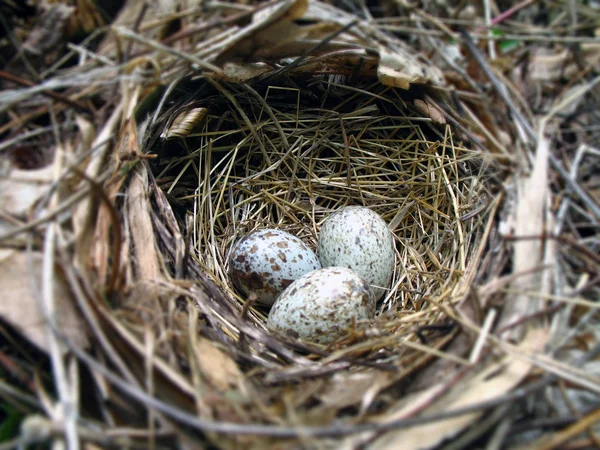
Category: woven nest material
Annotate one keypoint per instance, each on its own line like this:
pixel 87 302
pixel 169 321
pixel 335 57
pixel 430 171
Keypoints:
pixel 308 151
pixel 307 146
pixel 285 151
pixel 277 115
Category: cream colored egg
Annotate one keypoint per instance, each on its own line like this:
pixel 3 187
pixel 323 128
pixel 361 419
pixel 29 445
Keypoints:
pixel 359 239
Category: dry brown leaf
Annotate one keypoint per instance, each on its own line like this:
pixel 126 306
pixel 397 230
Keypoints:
pixel 494 381
pixel 301 40
pixel 20 302
pixel 430 110
pixel 269 26
pixel 398 67
pixel 85 212
pixel 150 11
pixel 273 34
pixel 218 367
pixel 140 222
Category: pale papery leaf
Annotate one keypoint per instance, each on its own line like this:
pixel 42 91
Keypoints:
pixel 491 382
pixel 238 72
pixel 529 221
pixel 399 69
pixel 20 189
pixel 346 389
pixel 21 303
pixel 552 66
pixel 219 368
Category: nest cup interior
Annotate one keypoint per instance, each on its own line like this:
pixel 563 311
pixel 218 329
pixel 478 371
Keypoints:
pixel 287 153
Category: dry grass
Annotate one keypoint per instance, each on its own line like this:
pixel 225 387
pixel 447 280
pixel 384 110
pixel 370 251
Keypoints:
pixel 161 161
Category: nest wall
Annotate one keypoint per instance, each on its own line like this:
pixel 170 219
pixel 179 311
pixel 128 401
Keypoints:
pixel 288 152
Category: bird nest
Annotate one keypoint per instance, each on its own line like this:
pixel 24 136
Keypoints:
pixel 277 115
pixel 286 152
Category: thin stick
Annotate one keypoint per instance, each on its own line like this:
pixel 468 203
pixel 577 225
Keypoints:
pixel 52 94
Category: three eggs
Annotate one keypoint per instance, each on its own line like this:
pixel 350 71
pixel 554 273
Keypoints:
pixel 318 298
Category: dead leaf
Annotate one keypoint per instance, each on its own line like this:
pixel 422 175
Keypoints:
pixel 399 68
pixel 218 367
pixel 430 110
pixel 20 302
pixel 529 221
pixel 85 213
pixel 273 34
pixel 19 191
pixel 547 66
pixel 486 384
pixel 140 222
pixel 238 73
pixel 22 188
pixel 346 389
pixel 269 26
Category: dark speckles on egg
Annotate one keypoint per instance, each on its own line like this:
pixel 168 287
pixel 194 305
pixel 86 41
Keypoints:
pixel 321 305
pixel 265 262
pixel 359 238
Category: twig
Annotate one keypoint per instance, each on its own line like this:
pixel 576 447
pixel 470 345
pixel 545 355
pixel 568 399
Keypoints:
pixel 52 94
pixel 499 87
pixel 286 432
pixel 563 240
pixel 488 20
pixel 557 439
pixel 201 64
pixel 506 14
pixel 99 192
pixel 325 41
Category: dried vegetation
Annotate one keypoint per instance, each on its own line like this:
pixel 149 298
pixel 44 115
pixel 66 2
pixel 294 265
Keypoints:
pixel 138 144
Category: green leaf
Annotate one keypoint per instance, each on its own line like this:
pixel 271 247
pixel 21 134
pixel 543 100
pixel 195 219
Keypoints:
pixel 505 45
pixel 11 421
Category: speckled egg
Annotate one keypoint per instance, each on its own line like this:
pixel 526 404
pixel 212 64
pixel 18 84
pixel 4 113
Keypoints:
pixel 321 305
pixel 358 238
pixel 267 261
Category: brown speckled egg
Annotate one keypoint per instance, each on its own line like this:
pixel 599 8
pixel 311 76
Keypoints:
pixel 321 305
pixel 358 238
pixel 267 261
